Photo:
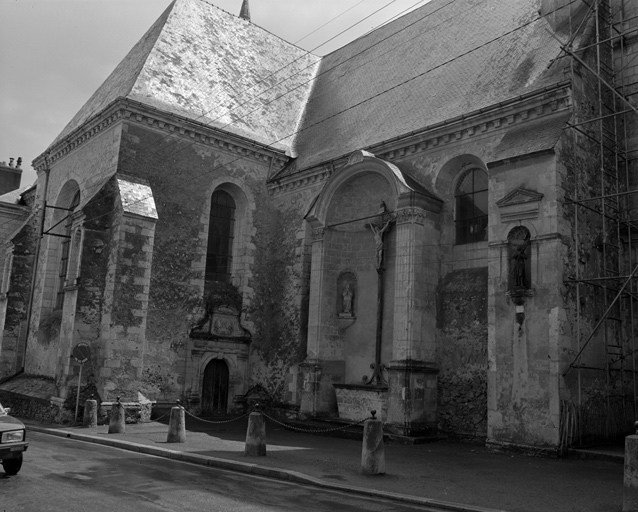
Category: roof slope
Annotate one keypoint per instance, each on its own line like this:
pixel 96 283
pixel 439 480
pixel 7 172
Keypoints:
pixel 203 63
pixel 445 59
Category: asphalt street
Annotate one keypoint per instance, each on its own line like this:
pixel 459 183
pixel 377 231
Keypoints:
pixel 62 475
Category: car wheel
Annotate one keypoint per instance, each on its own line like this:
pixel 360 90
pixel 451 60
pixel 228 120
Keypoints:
pixel 12 466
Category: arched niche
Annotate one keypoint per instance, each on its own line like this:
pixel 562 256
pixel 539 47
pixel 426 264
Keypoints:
pixel 391 186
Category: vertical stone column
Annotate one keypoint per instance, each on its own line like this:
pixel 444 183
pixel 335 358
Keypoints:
pixel 412 372
pixel 317 391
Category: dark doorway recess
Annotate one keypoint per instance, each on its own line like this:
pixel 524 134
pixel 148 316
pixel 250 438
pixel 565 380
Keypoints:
pixel 215 388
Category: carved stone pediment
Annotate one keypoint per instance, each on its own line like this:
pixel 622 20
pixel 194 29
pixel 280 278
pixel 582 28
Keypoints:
pixel 519 204
pixel 221 322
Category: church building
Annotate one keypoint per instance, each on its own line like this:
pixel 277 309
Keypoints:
pixel 437 221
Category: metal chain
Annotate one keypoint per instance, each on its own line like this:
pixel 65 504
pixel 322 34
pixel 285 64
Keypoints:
pixel 216 422
pixel 314 430
pixel 163 416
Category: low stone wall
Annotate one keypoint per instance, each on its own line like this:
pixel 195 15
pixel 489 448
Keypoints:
pixel 32 408
pixel 355 401
pixel 134 412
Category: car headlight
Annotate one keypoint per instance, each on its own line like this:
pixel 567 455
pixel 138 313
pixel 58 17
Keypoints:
pixel 13 436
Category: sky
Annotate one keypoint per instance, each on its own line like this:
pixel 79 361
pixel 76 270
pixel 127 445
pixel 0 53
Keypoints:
pixel 55 53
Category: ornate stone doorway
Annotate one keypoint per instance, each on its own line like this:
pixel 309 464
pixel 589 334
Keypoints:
pixel 215 388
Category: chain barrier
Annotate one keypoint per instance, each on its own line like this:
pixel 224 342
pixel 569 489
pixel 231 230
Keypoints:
pixel 216 422
pixel 314 430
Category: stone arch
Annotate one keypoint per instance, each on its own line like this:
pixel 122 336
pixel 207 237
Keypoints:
pixel 361 165
pixel 232 366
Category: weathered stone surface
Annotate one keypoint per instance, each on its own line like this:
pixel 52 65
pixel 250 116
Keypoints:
pixel 256 435
pixel 372 452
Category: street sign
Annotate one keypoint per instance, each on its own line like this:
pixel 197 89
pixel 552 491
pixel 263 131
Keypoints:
pixel 81 353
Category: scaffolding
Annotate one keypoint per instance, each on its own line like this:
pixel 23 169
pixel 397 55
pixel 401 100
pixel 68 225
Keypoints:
pixel 603 269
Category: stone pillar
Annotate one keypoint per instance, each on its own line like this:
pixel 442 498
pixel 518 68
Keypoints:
pixel 412 372
pixel 318 397
pixel 255 435
pixel 372 450
pixel 176 426
pixel 89 419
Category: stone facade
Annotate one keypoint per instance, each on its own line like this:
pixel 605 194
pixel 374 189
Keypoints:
pixel 343 256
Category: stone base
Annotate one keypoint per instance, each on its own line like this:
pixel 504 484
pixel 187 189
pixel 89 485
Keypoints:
pixel 356 401
pixel 318 397
pixel 412 399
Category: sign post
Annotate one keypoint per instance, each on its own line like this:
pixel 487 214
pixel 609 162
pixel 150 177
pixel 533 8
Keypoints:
pixel 81 353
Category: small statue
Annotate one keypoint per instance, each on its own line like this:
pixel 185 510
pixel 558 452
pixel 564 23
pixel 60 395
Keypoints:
pixel 518 267
pixel 346 300
pixel 378 241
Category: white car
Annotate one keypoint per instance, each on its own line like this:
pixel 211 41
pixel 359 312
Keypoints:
pixel 13 443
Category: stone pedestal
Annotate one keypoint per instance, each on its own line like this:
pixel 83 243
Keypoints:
pixel 412 399
pixel 318 397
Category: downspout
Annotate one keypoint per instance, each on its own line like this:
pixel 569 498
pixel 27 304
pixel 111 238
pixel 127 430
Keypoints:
pixel 36 259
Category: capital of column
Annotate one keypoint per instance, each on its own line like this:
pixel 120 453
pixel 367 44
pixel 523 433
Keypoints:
pixel 410 215
pixel 318 234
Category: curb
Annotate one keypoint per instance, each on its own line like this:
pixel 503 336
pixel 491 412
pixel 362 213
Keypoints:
pixel 258 470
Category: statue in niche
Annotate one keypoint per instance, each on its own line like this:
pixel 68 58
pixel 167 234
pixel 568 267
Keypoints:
pixel 346 300
pixel 519 259
pixel 378 232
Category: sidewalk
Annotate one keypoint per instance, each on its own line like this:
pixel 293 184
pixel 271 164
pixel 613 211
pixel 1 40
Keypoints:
pixel 450 475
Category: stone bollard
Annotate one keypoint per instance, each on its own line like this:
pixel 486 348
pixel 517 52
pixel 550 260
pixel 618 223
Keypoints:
pixel 177 425
pixel 89 419
pixel 256 435
pixel 630 489
pixel 372 453
pixel 116 424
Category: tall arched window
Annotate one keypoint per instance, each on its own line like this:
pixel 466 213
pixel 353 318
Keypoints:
pixel 64 252
pixel 471 207
pixel 221 228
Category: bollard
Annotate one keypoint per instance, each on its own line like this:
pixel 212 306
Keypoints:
pixel 256 435
pixel 116 424
pixel 89 419
pixel 630 489
pixel 372 453
pixel 177 425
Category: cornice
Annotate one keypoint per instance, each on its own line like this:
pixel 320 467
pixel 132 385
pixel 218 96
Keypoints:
pixel 545 103
pixel 172 124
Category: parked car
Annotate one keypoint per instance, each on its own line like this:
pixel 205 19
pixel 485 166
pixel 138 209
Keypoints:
pixel 13 442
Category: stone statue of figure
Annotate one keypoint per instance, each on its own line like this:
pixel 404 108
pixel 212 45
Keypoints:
pixel 518 267
pixel 378 241
pixel 346 300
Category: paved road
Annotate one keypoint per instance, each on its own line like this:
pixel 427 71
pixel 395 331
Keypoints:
pixel 72 476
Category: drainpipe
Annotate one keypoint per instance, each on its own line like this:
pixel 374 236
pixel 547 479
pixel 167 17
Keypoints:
pixel 36 260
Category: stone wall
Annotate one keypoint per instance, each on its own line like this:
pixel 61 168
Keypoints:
pixel 462 353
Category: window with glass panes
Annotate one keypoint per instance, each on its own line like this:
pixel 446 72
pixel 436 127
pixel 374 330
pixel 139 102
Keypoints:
pixel 219 256
pixel 471 207
pixel 64 253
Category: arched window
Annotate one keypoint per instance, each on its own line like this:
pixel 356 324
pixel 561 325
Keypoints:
pixel 471 207
pixel 64 252
pixel 221 229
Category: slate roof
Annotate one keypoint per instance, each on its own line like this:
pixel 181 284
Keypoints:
pixel 445 59
pixel 537 135
pixel 203 63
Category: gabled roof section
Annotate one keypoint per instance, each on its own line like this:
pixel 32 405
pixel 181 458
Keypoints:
pixel 443 60
pixel 207 65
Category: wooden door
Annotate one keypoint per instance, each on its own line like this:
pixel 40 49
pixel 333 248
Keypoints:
pixel 215 388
